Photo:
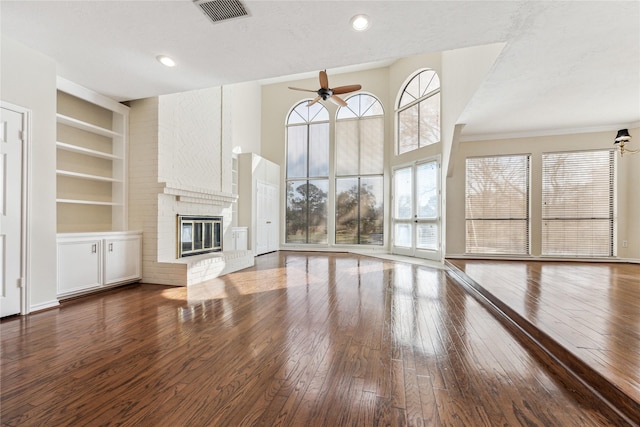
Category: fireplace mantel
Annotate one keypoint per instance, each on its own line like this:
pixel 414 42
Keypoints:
pixel 199 195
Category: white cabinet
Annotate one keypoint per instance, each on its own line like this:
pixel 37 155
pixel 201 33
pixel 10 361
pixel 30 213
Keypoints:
pixel 91 261
pixel 122 259
pixel 239 237
pixel 79 264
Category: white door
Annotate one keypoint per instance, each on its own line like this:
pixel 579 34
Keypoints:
pixel 267 218
pixel 12 125
pixel 416 210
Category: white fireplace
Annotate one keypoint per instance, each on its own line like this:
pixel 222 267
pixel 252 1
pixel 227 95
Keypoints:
pixel 180 158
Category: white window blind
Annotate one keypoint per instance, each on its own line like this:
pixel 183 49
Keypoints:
pixel 359 171
pixel 578 203
pixel 307 180
pixel 497 205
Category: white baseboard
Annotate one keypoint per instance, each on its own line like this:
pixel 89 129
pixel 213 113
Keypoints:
pixel 541 258
pixel 44 305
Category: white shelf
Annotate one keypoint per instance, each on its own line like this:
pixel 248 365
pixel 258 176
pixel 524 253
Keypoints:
pixel 79 124
pixel 86 151
pixel 71 174
pixel 87 202
pixel 95 174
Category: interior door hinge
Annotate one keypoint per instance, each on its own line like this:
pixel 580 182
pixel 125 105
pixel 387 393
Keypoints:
pixel 21 282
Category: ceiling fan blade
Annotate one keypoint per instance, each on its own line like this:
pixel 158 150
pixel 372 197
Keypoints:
pixel 310 103
pixel 304 90
pixel 337 100
pixel 324 80
pixel 346 89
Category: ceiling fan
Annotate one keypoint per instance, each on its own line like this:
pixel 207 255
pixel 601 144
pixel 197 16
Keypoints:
pixel 325 92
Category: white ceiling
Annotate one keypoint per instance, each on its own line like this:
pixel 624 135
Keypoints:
pixel 566 64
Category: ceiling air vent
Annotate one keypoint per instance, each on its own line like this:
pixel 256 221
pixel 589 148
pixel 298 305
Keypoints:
pixel 221 10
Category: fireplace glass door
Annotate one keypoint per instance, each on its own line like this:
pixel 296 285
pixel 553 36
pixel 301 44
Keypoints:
pixel 199 235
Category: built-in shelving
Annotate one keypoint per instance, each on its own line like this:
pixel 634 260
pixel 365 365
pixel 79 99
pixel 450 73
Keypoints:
pixel 86 151
pixel 79 124
pixel 61 172
pixel 87 202
pixel 91 171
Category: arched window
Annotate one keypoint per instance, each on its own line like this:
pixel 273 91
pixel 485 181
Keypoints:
pixel 419 112
pixel 307 173
pixel 359 171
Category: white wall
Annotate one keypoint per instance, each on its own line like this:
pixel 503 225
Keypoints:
pixel 628 194
pixel 28 79
pixel 463 71
pixel 244 101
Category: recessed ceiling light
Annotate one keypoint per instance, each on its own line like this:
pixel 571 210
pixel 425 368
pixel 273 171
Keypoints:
pixel 165 60
pixel 360 22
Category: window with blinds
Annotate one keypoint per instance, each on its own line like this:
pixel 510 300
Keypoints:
pixel 578 203
pixel 307 180
pixel 359 171
pixel 497 205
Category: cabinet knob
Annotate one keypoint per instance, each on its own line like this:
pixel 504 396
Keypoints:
pixel 94 248
pixel 110 247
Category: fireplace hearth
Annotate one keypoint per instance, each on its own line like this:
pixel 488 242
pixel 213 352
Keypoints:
pixel 199 234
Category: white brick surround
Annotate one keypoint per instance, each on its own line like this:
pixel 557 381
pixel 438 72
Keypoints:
pixel 180 163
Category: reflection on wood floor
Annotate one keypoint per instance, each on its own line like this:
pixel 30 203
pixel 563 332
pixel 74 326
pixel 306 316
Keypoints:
pixel 587 313
pixel 300 339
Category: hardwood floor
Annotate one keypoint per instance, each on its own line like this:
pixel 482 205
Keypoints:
pixel 586 313
pixel 301 339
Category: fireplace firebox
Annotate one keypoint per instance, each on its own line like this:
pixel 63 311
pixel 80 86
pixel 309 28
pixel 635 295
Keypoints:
pixel 199 234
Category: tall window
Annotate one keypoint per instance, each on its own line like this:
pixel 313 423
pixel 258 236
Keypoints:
pixel 578 203
pixel 497 205
pixel 419 112
pixel 307 174
pixel 359 169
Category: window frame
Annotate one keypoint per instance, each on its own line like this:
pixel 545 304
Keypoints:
pixel 358 176
pixel 416 102
pixel 308 179
pixel 501 251
pixel 611 208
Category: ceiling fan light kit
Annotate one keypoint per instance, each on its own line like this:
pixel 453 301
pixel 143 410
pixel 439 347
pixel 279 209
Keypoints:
pixel 326 93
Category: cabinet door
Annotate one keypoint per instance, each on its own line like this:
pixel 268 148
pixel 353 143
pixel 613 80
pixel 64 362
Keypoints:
pixel 240 238
pixel 273 230
pixel 78 266
pixel 122 259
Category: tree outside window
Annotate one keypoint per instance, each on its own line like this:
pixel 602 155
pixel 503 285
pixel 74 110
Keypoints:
pixel 359 169
pixel 307 174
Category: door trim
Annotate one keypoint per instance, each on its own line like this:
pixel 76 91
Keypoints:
pixel 25 192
